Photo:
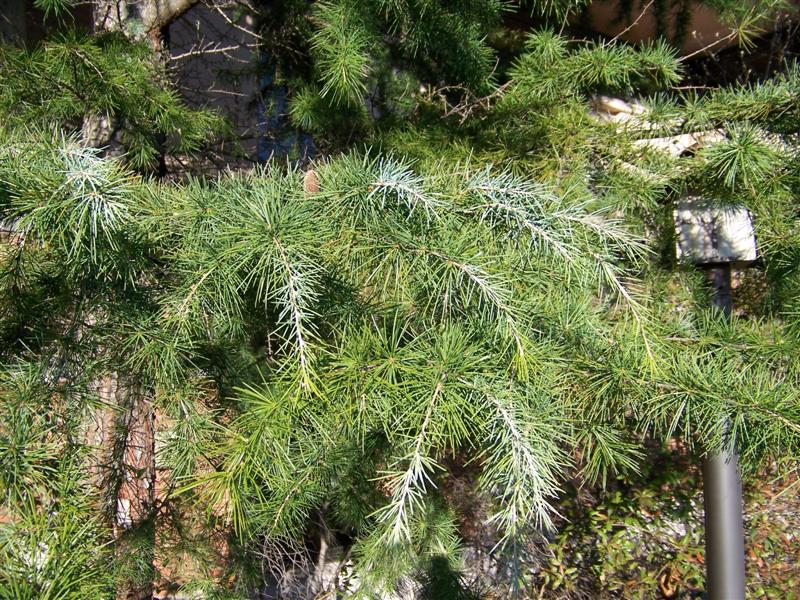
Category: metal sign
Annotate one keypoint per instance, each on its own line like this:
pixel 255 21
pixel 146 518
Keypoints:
pixel 710 233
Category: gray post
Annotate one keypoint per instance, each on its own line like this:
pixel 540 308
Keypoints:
pixel 723 490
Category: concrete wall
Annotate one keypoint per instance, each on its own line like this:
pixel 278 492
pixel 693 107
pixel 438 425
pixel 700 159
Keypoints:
pixel 215 64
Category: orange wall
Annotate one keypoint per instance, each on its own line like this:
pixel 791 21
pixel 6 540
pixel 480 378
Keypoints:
pixel 704 27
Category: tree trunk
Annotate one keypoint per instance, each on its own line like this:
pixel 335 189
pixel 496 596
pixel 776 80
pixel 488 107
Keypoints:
pixel 139 19
pixel 128 437
pixel 124 468
pixel 135 498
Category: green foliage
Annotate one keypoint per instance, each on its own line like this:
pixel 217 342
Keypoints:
pixel 548 70
pixel 328 348
pixel 340 49
pixel 643 538
pixel 745 160
pixel 55 551
pixel 27 457
pixel 70 79
pixel 357 49
pixel 556 9
pixel 60 564
pixel 644 535
pixel 56 7
pixel 82 208
pixel 394 337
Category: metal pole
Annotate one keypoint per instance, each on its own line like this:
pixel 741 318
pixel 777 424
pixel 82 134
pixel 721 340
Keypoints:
pixel 723 491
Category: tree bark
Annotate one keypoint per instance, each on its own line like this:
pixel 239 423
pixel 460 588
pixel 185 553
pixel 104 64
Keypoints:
pixel 124 469
pixel 128 437
pixel 135 498
pixel 138 19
